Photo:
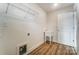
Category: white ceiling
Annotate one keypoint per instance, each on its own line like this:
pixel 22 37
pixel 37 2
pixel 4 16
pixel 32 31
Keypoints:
pixel 48 7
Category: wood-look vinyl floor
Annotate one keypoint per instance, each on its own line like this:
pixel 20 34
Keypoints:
pixel 53 49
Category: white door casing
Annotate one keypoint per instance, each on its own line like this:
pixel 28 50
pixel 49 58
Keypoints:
pixel 66 28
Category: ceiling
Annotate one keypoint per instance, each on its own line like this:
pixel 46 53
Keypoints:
pixel 48 7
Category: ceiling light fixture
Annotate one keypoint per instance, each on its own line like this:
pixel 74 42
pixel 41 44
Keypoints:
pixel 55 4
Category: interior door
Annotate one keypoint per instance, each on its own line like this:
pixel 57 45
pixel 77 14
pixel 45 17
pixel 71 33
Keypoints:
pixel 66 28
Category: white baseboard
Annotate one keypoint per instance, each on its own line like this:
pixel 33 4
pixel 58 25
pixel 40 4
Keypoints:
pixel 34 47
pixel 61 42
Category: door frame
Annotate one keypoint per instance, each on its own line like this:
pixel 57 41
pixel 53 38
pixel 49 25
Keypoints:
pixel 74 24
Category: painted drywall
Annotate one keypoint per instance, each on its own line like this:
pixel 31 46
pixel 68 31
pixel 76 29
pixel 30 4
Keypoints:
pixel 17 29
pixel 77 32
pixel 3 27
pixel 53 21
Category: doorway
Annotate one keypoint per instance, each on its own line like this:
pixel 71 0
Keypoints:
pixel 66 28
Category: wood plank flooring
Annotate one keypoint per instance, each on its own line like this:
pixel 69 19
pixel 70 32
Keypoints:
pixel 53 49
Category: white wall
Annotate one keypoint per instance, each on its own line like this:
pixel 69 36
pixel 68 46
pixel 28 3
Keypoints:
pixel 3 27
pixel 17 29
pixel 53 19
pixel 77 15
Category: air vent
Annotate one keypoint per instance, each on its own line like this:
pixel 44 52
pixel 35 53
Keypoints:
pixel 21 49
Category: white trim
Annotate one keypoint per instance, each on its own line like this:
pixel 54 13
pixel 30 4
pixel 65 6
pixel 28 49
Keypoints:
pixel 60 42
pixel 34 47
